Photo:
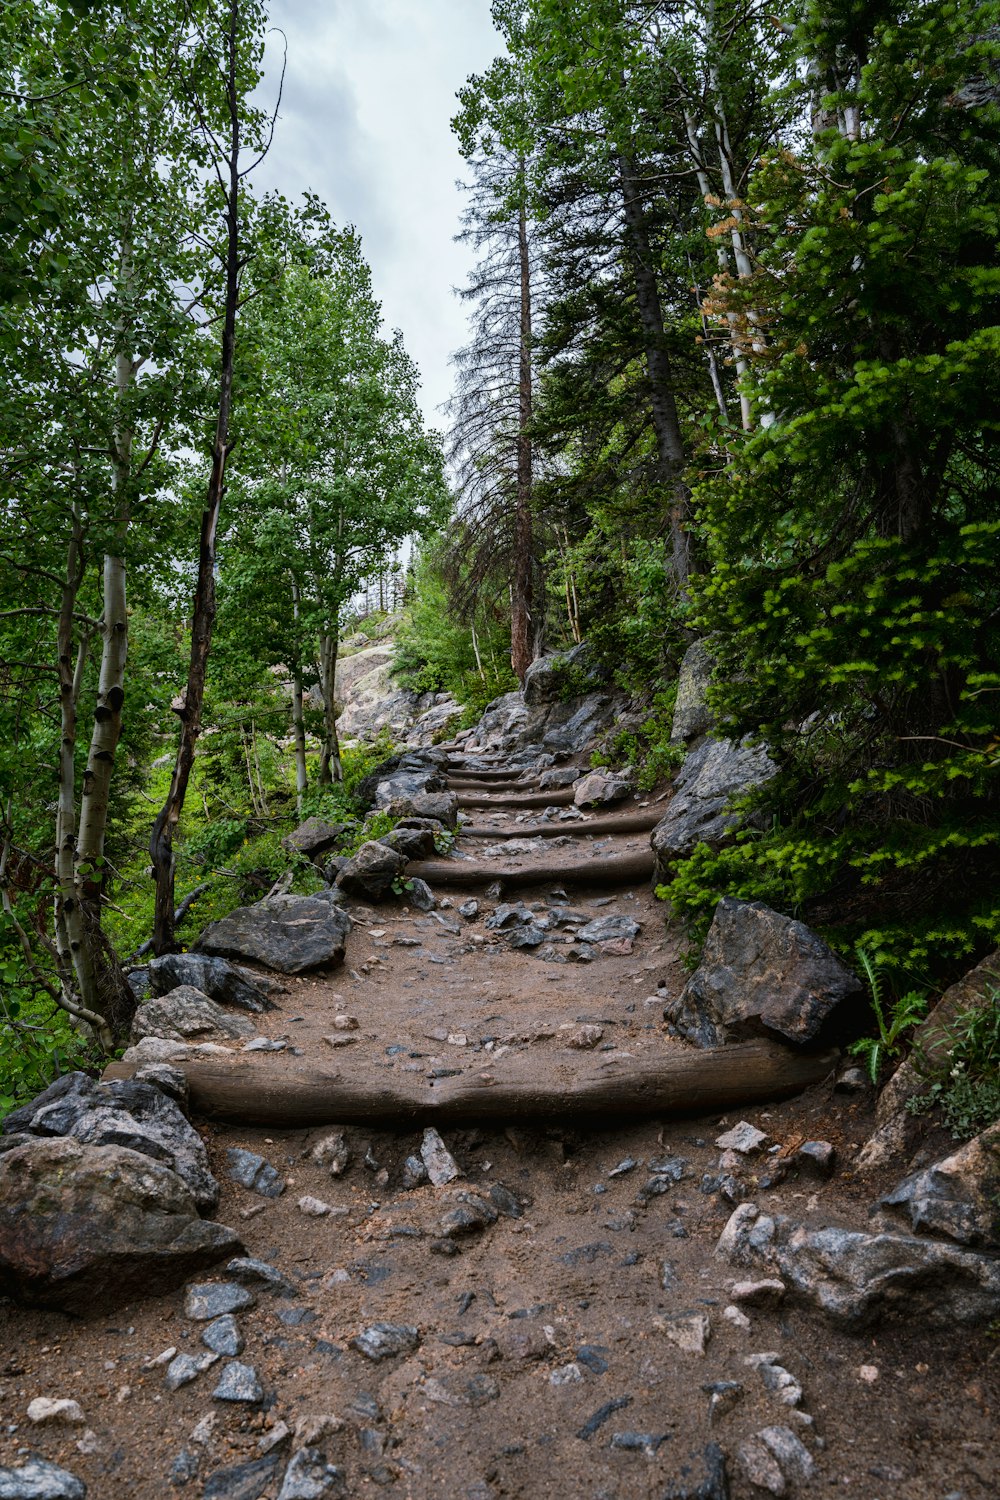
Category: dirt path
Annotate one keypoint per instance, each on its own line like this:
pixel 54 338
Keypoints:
pixel 569 1347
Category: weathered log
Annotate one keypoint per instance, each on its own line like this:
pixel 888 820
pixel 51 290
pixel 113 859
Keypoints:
pixel 561 797
pixel 469 773
pixel 267 1090
pixel 637 822
pixel 610 869
pixel 492 788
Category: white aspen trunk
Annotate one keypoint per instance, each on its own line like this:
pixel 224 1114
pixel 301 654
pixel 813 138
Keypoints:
pixel 331 769
pixel 475 648
pixel 74 946
pixel 298 709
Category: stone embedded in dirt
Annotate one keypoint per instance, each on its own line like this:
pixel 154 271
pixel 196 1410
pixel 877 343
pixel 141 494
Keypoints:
pixel 188 1015
pixel 441 1166
pixel 711 1481
pixel 345 1023
pixel 699 812
pixel 243 1481
pixel 690 1332
pixel 779 1381
pixel 310 1477
pixel 744 1138
pixel 315 1426
pixel 856 1278
pixel 639 1442
pixel 37 1479
pixel 795 1459
pixel 383 1340
pixel 602 789
pixel 61 1411
pixel 760 1467
pixel 414 1173
pixel 760 973
pixel 239 1383
pixel 957 1196
pixel 584 1038
pixel 250 1272
pixel 461 1390
pixel 372 871
pixel 817 1157
pixel 314 838
pixel 603 1413
pixel 469 910
pixel 471 1215
pixel 315 1208
pixel 207 1300
pixel 215 977
pixel 692 715
pixel 254 1173
pixel 187 1367
pixel 420 895
pixel 223 1336
pixel 724 1396
pixel 570 1374
pixel 531 935
pixel 332 1152
pixel 138 1116
pixel 767 1293
pixel 83 1226
pixel 607 929
pixel 291 934
pixel 508 915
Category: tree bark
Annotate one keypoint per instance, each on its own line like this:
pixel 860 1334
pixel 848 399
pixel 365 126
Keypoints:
pixel 189 708
pixel 330 768
pixel 671 451
pixel 522 652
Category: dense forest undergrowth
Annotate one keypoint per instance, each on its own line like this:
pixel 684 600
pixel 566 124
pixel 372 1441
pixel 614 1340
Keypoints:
pixel 732 376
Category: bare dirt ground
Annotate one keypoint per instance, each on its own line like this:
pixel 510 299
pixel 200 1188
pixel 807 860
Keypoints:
pixel 545 1361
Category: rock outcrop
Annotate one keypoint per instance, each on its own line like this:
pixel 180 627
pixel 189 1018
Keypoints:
pixel 216 978
pixel 372 871
pixel 700 811
pixel 958 1196
pixel 186 1014
pixel 760 974
pixel 692 715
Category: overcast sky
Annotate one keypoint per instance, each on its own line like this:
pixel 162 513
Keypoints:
pixel 369 92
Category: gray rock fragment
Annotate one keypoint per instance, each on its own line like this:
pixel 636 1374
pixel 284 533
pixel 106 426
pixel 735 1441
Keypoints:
pixel 384 1340
pixel 333 1152
pixel 310 1477
pixel 254 1173
pixel 959 1196
pixel 441 1166
pixel 215 977
pixel 37 1479
pixel 258 1273
pixel 185 1015
pixel 239 1383
pixel 187 1367
pixel 609 929
pixel 223 1336
pixel 207 1300
pixel 247 1481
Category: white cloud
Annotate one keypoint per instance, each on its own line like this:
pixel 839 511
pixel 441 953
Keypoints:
pixel 369 93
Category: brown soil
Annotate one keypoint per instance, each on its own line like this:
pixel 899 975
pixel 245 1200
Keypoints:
pixel 538 1322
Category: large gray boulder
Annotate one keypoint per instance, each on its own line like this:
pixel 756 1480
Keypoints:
pixel 411 843
pixel 291 934
pixel 215 977
pixel 602 789
pixel 124 1113
pixel 440 806
pixel 188 1015
pixel 958 1196
pixel 699 811
pixel 85 1227
pixel 692 715
pixel 372 871
pixel 314 838
pixel 412 776
pixel 761 973
pixel 857 1278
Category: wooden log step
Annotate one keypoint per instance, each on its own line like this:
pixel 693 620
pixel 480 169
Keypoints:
pixel 613 869
pixel 492 788
pixel 638 822
pixel 271 1090
pixel 561 797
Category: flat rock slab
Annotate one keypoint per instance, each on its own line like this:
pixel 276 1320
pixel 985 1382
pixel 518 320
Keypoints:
pixel 291 934
pixel 83 1227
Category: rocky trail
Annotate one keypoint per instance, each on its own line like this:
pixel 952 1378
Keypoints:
pixel 499 1251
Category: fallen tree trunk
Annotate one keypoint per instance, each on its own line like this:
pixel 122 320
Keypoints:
pixel 612 869
pixel 492 788
pixel 494 774
pixel 561 798
pixel 637 822
pixel 266 1090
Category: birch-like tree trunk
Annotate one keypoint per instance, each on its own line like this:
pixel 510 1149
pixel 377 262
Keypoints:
pixel 330 768
pixel 298 707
